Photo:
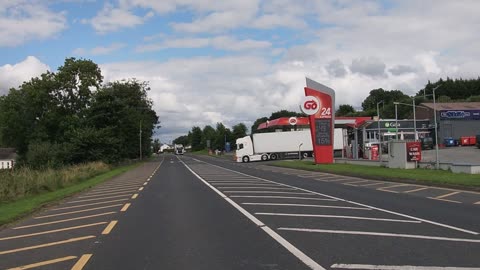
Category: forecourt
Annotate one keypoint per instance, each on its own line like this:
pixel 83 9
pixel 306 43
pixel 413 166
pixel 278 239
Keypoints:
pixel 207 213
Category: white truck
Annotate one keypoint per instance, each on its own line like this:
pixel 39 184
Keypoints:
pixel 179 149
pixel 280 145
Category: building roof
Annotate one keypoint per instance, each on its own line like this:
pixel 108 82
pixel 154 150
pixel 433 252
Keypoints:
pixel 304 121
pixel 454 105
pixel 7 153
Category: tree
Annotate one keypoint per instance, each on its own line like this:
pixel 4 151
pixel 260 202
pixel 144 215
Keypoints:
pixel 369 105
pixel 257 123
pixel 220 137
pixel 156 145
pixel 208 134
pixel 239 131
pixel 196 138
pixel 345 110
pixel 284 113
pixel 183 140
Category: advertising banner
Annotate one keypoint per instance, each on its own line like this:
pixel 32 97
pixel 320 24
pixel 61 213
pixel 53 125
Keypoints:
pixel 414 151
pixel 460 114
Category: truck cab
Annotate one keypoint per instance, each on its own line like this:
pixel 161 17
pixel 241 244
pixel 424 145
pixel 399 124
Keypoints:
pixel 245 152
pixel 179 150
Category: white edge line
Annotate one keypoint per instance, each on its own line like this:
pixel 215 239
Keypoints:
pixel 356 203
pixel 295 251
pixel 397 267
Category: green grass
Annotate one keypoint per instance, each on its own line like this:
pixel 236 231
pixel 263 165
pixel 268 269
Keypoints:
pixel 14 210
pixel 425 176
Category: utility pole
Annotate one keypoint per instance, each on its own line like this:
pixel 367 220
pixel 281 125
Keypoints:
pixel 140 138
pixel 437 161
pixel 379 136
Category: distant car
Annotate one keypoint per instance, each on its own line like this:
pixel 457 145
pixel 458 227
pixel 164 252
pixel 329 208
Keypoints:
pixel 427 143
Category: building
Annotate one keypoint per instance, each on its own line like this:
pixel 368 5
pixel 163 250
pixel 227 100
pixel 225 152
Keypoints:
pixel 165 147
pixel 455 119
pixel 7 158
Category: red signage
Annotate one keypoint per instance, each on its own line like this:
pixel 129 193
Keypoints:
pixel 319 105
pixel 374 150
pixel 414 151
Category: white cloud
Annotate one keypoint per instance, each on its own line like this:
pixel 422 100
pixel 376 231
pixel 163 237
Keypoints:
pixel 22 21
pixel 99 50
pixel 14 75
pixel 112 18
pixel 227 43
pixel 370 66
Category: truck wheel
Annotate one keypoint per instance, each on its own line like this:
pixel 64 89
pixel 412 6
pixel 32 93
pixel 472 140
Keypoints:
pixel 305 155
pixel 245 159
pixel 273 156
pixel 264 157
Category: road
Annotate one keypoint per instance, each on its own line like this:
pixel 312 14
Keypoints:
pixel 188 212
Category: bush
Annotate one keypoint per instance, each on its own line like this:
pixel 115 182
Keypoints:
pixel 22 182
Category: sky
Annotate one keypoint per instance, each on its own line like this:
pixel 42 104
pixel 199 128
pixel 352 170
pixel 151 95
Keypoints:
pixel 234 61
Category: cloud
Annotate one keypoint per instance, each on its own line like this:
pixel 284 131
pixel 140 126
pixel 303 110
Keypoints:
pixel 21 21
pixel 111 19
pixel 14 75
pixel 336 68
pixel 99 50
pixel 227 43
pixel 401 69
pixel 369 66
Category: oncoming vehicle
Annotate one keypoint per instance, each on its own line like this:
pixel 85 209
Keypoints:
pixel 179 149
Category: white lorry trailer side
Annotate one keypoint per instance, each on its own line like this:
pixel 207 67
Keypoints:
pixel 279 145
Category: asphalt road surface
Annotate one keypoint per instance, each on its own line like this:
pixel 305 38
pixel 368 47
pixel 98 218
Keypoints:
pixel 188 212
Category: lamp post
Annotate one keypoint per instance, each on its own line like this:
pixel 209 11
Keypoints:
pixel 415 136
pixel 379 136
pixel 396 120
pixel 299 152
pixel 437 161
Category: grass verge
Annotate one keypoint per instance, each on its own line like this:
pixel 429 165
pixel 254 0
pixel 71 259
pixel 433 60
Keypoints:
pixel 423 176
pixel 14 210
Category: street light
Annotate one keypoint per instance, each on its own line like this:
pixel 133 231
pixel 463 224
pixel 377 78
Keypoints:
pixel 379 137
pixel 437 161
pixel 396 120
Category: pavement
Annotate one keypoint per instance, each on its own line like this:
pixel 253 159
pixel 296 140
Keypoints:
pixel 458 154
pixel 197 212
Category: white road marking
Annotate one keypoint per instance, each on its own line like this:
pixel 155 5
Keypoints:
pixel 356 203
pixel 294 250
pixel 307 205
pixel 259 191
pixel 382 234
pixel 335 216
pixel 281 197
pixel 273 188
pixel 397 267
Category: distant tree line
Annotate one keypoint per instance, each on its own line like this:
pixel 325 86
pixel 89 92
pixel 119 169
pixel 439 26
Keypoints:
pixel 458 90
pixel 71 117
pixel 198 138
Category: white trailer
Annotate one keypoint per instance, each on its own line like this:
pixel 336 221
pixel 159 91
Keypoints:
pixel 280 145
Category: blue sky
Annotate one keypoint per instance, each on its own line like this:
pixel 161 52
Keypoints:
pixel 234 61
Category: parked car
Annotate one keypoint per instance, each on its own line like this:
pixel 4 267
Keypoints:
pixel 427 143
pixel 449 141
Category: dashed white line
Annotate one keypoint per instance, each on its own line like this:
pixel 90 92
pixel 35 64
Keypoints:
pixel 336 216
pixel 307 205
pixel 382 234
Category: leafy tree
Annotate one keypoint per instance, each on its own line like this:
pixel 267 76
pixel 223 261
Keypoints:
pixel 257 123
pixel 220 137
pixel 239 131
pixel 284 113
pixel 156 145
pixel 196 138
pixel 208 133
pixel 183 140
pixel 345 110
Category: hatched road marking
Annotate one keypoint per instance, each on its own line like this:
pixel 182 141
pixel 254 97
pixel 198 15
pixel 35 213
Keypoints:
pixel 63 220
pixel 35 265
pixel 109 227
pixel 53 231
pixel 82 262
pixel 397 267
pixel 335 216
pixel 47 244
